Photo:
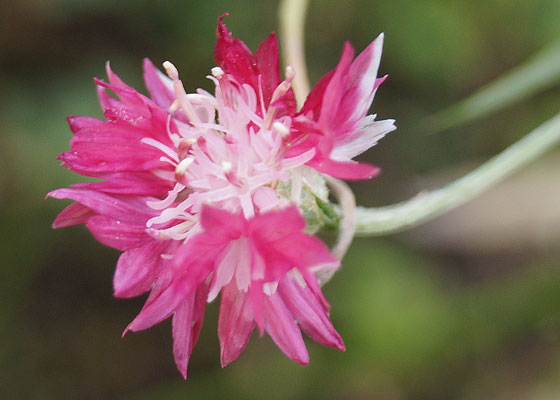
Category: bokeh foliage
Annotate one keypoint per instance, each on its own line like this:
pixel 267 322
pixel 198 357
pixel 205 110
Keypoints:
pixel 421 319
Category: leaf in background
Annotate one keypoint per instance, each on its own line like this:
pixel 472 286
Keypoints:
pixel 540 72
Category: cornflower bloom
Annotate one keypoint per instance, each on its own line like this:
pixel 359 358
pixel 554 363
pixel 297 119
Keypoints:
pixel 217 194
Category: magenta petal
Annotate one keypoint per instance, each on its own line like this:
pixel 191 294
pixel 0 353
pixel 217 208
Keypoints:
pixel 117 234
pixel 111 147
pixel 159 85
pixel 129 98
pixel 268 65
pixel 78 123
pixel 159 306
pixel 216 220
pixel 197 257
pixel 314 100
pixel 280 325
pixel 275 225
pixel 362 82
pixel 131 183
pixel 335 88
pixel 235 324
pixel 309 313
pixel 234 56
pixel 257 303
pixel 350 170
pixel 106 101
pixel 305 251
pixel 136 269
pixel 186 325
pixel 182 335
pixel 131 210
pixel 115 80
pixel 73 214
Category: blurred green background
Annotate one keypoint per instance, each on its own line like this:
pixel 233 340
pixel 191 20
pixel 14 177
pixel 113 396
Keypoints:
pixel 465 307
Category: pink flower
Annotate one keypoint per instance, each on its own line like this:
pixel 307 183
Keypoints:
pixel 334 118
pixel 189 190
pixel 264 269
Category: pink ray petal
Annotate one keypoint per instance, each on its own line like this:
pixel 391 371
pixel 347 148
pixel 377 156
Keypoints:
pixel 235 324
pixel 310 314
pixel 187 322
pixel 279 324
pixel 136 269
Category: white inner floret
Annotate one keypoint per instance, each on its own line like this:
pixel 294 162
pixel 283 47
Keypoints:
pixel 231 154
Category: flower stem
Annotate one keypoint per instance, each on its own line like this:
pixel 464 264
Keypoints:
pixel 347 225
pixel 292 24
pixel 428 205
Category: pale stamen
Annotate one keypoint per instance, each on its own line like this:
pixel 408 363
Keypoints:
pixel 183 165
pixel 280 91
pixel 180 93
pixel 282 129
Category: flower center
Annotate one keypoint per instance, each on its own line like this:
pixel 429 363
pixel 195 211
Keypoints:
pixel 224 153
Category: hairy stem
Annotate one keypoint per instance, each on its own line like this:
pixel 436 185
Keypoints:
pixel 347 226
pixel 428 205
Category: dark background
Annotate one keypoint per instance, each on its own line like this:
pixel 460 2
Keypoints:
pixel 465 307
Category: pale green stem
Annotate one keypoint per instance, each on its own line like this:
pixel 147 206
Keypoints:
pixel 428 205
pixel 347 226
pixel 292 25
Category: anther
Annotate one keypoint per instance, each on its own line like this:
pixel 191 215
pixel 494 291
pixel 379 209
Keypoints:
pixel 290 73
pixel 217 72
pixel 282 129
pixel 226 166
pixel 183 165
pixel 171 71
pixel 174 106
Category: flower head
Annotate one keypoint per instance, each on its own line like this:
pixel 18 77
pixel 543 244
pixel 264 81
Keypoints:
pixel 204 193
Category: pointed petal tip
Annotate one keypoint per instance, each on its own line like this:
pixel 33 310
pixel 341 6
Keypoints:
pixel 108 69
pixel 302 359
pixel 183 371
pixel 125 331
pixel 260 329
pixel 229 355
pixel 225 361
pixel 348 48
pixel 378 41
pixel 339 344
pixel 147 64
pixel 222 29
pixel 100 82
pixel 375 172
pixel 120 294
pixel 130 328
pixel 54 194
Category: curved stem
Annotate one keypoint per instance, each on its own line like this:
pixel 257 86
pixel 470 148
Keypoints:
pixel 292 24
pixel 347 203
pixel 426 206
pixel 347 227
